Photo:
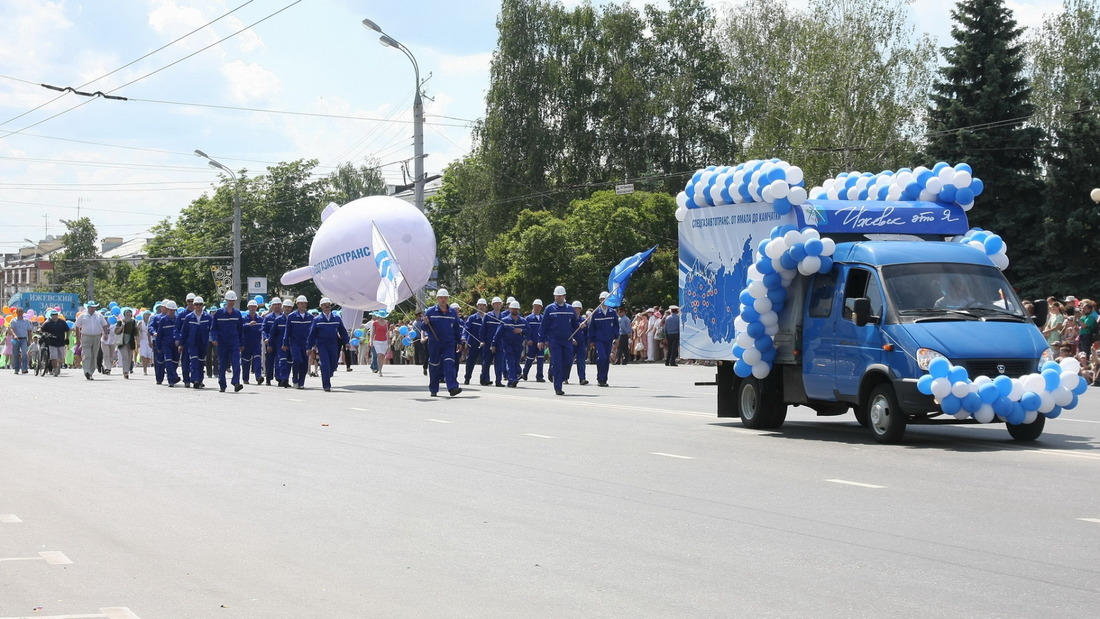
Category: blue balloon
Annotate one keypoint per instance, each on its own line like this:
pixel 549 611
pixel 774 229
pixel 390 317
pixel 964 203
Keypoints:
pixel 964 166
pixel 406 341
pixel 1082 386
pixel 826 264
pixel 947 194
pixel 798 252
pixel 814 247
pixel 988 393
pixel 695 178
pixel 1053 414
pixel 951 404
pixel 977 186
pixel 116 310
pixel 70 323
pixel 358 333
pixel 742 369
pixel 749 314
pixel 112 304
pixel 1052 378
pixel 738 351
pixel 1004 385
pixel 911 192
pixel 883 191
pixel 111 320
pixel 777 296
pixel 768 355
pixel 1003 406
pixel 964 195
pixel 763 343
pixel 922 178
pixel 755 329
pixel 788 262
pixel 924 384
pixel 761 247
pixel 957 374
pixel 782 206
pixel 776 233
pixel 690 203
pixel 404 330
pixel 259 299
pixel 1051 366
pixel 971 402
pixel 354 341
pixel 863 194
pixel 773 280
pixel 746 298
pixel 939 166
pixel 765 266
pixel 1072 403
pixel 939 367
pixel 1030 401
pixel 851 181
pixel 726 196
pixel 1014 415
pixel 743 189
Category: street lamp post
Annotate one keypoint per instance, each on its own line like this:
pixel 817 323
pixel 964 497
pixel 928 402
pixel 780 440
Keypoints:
pixel 236 219
pixel 418 115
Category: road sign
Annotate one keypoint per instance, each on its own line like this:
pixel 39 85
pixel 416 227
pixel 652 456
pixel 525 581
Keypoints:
pixel 624 189
pixel 257 285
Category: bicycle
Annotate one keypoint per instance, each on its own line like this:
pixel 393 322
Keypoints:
pixel 42 368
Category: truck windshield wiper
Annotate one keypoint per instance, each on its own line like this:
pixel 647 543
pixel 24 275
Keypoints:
pixel 1000 313
pixel 939 314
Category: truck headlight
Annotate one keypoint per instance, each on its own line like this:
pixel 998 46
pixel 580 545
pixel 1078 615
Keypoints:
pixel 1048 355
pixel 926 355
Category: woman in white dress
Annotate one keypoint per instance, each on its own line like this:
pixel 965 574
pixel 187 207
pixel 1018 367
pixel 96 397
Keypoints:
pixel 145 342
pixel 651 335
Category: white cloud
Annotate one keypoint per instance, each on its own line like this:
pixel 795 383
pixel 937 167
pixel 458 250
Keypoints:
pixel 173 20
pixel 472 64
pixel 248 40
pixel 33 32
pixel 250 81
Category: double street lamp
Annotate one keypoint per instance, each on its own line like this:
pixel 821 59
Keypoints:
pixel 418 115
pixel 236 219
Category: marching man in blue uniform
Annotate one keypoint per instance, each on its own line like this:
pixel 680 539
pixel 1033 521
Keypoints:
pixel 298 324
pixel 272 343
pixel 282 356
pixel 327 335
pixel 471 337
pixel 488 358
pixel 181 317
pixel 603 328
pixel 508 341
pixel 166 343
pixel 580 343
pixel 534 321
pixel 559 323
pixel 252 344
pixel 228 336
pixel 154 331
pixel 196 342
pixel 444 331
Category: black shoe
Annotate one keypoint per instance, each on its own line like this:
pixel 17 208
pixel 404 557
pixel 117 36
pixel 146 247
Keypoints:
pixel 198 386
pixel 301 386
pixel 559 393
pixel 454 392
pixel 524 377
pixel 485 383
pixel 434 394
pixel 246 381
pixel 601 384
pixel 349 369
pixel 327 389
pixel 584 382
pixel 499 384
pixel 186 385
pixel 221 389
pixel 268 383
pixel 513 384
pixel 540 380
pixel 171 384
pixel 466 382
pixel 238 387
pixel 425 371
pixel 88 375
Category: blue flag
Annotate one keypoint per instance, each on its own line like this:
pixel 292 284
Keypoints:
pixel 620 276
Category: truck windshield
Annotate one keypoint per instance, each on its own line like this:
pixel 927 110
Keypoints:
pixel 939 288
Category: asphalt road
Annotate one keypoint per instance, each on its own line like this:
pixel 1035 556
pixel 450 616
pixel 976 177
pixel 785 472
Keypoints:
pixel 122 499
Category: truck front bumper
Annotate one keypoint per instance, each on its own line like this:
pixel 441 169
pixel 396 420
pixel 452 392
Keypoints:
pixel 910 399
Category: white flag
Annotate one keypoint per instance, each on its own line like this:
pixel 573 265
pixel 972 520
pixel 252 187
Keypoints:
pixel 388 270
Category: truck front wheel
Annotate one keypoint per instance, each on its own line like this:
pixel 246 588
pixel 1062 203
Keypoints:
pixel 1027 431
pixel 759 408
pixel 884 415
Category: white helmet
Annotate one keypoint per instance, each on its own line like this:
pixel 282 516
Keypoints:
pixel 537 302
pixel 190 296
pixel 510 299
pixel 276 301
pixel 560 290
pixel 325 300
pixel 455 306
pixel 482 301
pixel 230 295
pixel 171 305
pixel 513 305
pixel 577 304
pixel 604 295
pixel 253 303
pixel 497 300
pixel 301 299
pixel 442 292
pixel 198 301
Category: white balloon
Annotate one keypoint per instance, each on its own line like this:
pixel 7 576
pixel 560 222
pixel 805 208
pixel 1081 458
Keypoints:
pixel 775 248
pixel 716 194
pixel 984 414
pixel 809 265
pixel 682 199
pixel 941 388
pixel 828 246
pixel 977 245
pixel 769 318
pixel 960 389
pixel 771 330
pixel 1069 364
pixel 1000 261
pixel 852 193
pixel 903 179
pixel 794 175
pixel 744 340
pixel 1034 382
pixel 797 195
pixel 740 326
pixel 761 370
pixel 947 175
pixel 810 233
pixel 1062 396
pixel 917 170
pixel 962 179
pixel 1017 390
pixel 751 356
pixel 828 184
pixel 1069 379
pixel 961 415
pixel 779 189
pixel 1047 402
pixel 766 194
pixel 757 290
pixel 894 193
pixel 792 238
pixel 966 207
pixel 1031 416
pixel 762 306
pixel 681 212
pixel 934 184
pixel 818 193
pixel 927 195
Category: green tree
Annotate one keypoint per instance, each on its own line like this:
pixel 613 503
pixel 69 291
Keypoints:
pixel 456 215
pixel 1071 223
pixel 1064 63
pixel 980 107
pixel 81 242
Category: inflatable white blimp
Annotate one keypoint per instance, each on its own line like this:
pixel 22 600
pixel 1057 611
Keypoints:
pixel 368 251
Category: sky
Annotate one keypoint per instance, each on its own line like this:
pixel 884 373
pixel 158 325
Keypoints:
pixel 272 81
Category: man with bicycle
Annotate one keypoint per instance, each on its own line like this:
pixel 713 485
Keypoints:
pixel 55 333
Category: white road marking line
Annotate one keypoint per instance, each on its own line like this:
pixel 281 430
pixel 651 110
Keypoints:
pixel 648 409
pixel 117 612
pixel 1081 420
pixel 294 400
pixel 363 410
pixel 539 435
pixel 9 519
pixel 439 421
pixel 658 453
pixel 52 557
pixel 853 483
pixel 1096 520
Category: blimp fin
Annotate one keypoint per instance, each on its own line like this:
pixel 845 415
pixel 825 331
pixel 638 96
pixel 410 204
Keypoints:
pixel 330 209
pixel 296 276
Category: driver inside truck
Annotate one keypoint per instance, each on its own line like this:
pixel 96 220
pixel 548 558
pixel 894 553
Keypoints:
pixel 957 295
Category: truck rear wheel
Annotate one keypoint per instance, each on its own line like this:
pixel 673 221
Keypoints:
pixel 760 408
pixel 884 415
pixel 1027 431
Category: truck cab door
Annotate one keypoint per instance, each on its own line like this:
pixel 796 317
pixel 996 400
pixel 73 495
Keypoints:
pixel 818 358
pixel 855 347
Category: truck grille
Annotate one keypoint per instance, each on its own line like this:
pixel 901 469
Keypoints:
pixel 1013 368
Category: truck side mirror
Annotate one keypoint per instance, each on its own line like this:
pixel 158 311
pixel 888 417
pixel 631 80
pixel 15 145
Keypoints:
pixel 861 312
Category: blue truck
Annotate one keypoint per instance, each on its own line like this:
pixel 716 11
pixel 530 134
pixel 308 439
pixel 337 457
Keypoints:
pixel 896 304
